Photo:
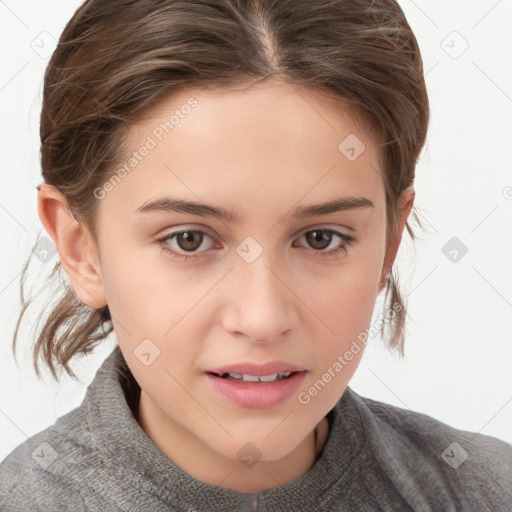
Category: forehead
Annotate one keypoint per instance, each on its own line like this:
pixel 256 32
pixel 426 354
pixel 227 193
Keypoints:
pixel 249 143
pixel 296 109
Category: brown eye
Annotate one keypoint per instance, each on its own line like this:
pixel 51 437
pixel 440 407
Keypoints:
pixel 319 239
pixel 326 242
pixel 193 242
pixel 189 240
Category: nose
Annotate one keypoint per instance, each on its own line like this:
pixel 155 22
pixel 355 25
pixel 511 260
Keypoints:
pixel 259 306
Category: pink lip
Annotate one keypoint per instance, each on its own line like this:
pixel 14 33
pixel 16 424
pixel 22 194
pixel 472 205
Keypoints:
pixel 258 369
pixel 257 395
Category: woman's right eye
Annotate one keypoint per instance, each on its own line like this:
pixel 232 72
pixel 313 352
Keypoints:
pixel 186 243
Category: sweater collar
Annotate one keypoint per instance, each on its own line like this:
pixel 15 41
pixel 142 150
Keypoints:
pixel 118 435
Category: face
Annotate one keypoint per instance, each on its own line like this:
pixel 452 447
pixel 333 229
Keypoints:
pixel 255 278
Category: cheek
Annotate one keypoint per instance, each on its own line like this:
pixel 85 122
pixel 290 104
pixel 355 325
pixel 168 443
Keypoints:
pixel 149 300
pixel 346 312
pixel 140 289
pixel 348 316
pixel 138 310
pixel 345 299
pixel 344 303
pixel 352 308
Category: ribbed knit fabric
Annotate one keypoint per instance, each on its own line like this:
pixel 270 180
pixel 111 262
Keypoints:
pixel 377 457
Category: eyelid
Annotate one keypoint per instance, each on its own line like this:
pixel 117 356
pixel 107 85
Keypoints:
pixel 180 229
pixel 335 228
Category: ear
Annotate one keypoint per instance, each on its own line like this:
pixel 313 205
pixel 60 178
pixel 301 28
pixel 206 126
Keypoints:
pixel 405 204
pixel 75 245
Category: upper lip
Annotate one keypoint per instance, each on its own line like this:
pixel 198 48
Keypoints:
pixel 257 369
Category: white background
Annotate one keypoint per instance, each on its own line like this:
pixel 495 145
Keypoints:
pixel 458 352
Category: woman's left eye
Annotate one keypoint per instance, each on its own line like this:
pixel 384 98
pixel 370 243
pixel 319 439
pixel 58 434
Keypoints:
pixel 189 242
pixel 327 241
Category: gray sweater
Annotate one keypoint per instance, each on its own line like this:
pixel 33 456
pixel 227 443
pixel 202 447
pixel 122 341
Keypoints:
pixel 377 457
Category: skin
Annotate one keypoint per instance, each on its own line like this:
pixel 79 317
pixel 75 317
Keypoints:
pixel 259 152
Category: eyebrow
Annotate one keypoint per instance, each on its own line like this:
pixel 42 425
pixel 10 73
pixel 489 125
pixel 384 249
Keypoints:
pixel 169 204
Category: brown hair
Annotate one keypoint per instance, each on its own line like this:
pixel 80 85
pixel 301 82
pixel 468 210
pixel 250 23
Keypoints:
pixel 116 58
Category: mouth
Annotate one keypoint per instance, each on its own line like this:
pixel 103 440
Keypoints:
pixel 246 377
pixel 257 387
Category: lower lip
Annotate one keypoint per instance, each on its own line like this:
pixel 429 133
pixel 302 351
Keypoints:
pixel 257 395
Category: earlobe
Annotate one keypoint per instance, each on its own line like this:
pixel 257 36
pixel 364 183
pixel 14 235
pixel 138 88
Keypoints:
pixel 405 204
pixel 75 246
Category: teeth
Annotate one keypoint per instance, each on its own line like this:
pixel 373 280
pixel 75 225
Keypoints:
pixel 256 378
pixel 268 378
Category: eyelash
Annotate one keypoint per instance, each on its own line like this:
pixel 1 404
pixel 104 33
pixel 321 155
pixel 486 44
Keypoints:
pixel 347 240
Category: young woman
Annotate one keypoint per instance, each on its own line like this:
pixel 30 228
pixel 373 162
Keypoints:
pixel 227 183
